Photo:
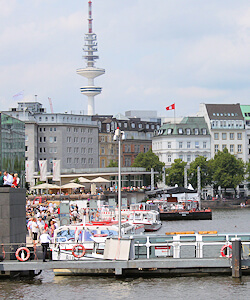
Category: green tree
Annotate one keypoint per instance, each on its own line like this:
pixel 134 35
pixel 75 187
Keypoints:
pixel 228 170
pixel 175 174
pixel 205 171
pixel 112 164
pixel 149 160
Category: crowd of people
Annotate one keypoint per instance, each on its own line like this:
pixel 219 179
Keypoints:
pixel 9 180
pixel 41 218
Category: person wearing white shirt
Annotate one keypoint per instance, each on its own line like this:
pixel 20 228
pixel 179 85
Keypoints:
pixel 8 179
pixel 44 240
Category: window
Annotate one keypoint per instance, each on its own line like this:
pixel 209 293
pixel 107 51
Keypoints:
pixel 125 125
pixel 169 158
pixel 188 145
pixel 188 131
pixel 68 129
pixel 75 139
pixel 224 146
pixel 224 136
pixel 103 163
pixel 204 145
pixel 231 148
pixel 90 140
pixel 239 136
pixel 204 131
pixel 54 139
pixel 76 160
pixel 44 139
pixel 40 139
pixel 152 126
pixel 68 149
pixel 26 138
pixel 50 129
pixel 90 151
pixel 54 128
pixel 180 131
pixel 140 125
pixel 103 139
pixel 196 131
pixel 188 158
pixel 216 136
pixel 239 148
pixel 147 126
pixel 216 148
pixel 127 161
pixel 181 157
pixel 50 150
pixel 231 136
pixel 169 130
pixel 108 127
pixel 51 139
pixel 76 150
pixel 26 148
pixel 68 139
pixel 197 145
pixel 102 150
pixel 169 145
pixel 75 129
pixel 180 145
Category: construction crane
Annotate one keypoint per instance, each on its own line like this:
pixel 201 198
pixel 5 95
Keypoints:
pixel 51 106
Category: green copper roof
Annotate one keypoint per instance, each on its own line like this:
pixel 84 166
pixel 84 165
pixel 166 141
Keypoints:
pixel 188 126
pixel 245 111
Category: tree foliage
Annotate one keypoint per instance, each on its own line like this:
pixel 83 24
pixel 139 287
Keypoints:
pixel 205 172
pixel 176 173
pixel 112 164
pixel 228 170
pixel 148 160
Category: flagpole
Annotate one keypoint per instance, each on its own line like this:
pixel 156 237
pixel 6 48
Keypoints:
pixel 174 113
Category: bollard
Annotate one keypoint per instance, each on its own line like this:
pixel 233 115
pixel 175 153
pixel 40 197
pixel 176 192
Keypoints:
pixel 236 258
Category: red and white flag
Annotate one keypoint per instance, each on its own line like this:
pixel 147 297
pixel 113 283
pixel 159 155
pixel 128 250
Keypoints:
pixel 170 107
pixel 56 170
pixel 43 169
pixel 29 170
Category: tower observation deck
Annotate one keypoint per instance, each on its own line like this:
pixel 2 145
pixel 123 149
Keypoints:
pixel 90 72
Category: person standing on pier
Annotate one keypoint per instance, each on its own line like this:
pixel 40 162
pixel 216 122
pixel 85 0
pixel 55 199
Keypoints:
pixel 44 240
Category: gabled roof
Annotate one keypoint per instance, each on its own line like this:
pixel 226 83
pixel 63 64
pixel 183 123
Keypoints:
pixel 224 111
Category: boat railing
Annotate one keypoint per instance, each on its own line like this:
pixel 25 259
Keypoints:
pixel 188 246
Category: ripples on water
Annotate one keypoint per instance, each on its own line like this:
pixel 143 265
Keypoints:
pixel 47 286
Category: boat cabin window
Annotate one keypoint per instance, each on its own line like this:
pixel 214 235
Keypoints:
pixel 65 235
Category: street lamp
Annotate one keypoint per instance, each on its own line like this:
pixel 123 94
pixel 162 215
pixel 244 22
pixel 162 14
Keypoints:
pixel 118 136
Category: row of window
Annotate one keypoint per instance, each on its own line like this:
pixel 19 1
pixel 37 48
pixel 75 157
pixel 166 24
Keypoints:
pixel 189 131
pixel 231 148
pixel 52 118
pixel 186 158
pixel 76 150
pixel 77 139
pixel 227 124
pixel 82 160
pixel 225 114
pixel 82 130
pixel 127 149
pixel 52 139
pixel 224 136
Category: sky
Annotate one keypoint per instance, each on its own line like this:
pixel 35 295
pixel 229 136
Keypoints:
pixel 155 53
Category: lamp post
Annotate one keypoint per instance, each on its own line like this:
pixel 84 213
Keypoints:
pixel 118 136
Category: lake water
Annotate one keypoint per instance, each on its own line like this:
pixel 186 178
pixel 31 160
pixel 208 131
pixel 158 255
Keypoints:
pixel 47 286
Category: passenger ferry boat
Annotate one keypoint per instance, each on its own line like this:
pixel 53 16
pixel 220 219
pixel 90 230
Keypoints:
pixel 149 218
pixel 79 241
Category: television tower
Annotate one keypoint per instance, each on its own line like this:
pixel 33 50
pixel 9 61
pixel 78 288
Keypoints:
pixel 90 71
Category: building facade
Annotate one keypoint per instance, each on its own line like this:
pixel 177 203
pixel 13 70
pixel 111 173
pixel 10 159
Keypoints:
pixel 12 145
pixel 138 138
pixel 227 128
pixel 71 138
pixel 185 140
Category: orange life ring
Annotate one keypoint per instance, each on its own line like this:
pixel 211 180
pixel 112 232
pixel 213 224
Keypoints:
pixel 80 247
pixel 222 251
pixel 23 249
